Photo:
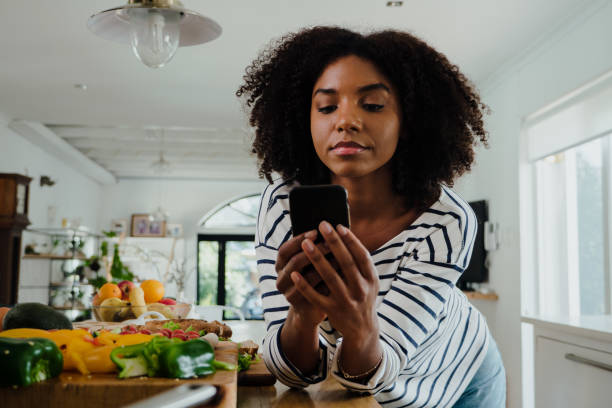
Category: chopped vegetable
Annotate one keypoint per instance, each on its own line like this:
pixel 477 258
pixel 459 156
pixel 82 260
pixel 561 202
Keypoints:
pixel 130 360
pixel 171 325
pixel 172 358
pixel 193 358
pixel 245 360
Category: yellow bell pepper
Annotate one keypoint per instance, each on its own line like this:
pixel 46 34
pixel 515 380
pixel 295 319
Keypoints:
pixel 25 333
pixel 108 339
pixel 98 360
pixel 80 349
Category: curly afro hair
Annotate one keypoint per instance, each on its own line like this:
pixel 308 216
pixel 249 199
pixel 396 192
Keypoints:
pixel 442 115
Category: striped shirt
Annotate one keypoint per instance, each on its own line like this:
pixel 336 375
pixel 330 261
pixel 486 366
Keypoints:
pixel 433 340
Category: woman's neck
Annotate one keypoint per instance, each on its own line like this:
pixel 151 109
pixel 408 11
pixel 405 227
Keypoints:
pixel 377 213
pixel 372 197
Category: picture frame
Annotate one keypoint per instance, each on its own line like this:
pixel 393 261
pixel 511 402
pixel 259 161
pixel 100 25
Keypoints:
pixel 140 225
pixel 157 228
pixel 174 230
pixel 119 226
pixel 143 226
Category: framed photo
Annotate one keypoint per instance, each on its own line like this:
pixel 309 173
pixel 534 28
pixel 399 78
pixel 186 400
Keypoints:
pixel 174 230
pixel 119 226
pixel 142 226
pixel 157 228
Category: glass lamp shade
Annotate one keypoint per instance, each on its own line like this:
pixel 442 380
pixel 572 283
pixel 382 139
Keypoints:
pixel 154 29
pixel 154 34
pixel 159 215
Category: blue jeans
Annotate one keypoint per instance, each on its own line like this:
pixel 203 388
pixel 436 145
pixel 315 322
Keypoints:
pixel 488 387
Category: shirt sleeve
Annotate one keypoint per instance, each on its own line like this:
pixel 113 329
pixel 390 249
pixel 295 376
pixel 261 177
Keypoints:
pixel 273 229
pixel 411 311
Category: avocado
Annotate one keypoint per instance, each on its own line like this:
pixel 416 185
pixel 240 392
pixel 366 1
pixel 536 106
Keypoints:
pixel 35 316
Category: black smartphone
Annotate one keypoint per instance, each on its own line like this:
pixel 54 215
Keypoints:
pixel 309 205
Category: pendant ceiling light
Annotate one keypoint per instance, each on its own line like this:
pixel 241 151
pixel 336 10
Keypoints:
pixel 154 28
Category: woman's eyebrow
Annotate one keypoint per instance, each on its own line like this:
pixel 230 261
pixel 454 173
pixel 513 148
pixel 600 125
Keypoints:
pixel 372 87
pixel 363 89
pixel 327 91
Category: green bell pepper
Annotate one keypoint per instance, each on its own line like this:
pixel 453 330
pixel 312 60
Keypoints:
pixel 153 349
pixel 191 358
pixel 26 361
pixel 130 360
pixel 171 358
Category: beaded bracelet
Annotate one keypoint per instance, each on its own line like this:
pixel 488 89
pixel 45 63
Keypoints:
pixel 352 377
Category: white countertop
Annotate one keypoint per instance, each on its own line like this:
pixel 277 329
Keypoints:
pixel 597 327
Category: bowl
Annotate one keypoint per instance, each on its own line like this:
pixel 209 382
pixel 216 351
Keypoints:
pixel 123 311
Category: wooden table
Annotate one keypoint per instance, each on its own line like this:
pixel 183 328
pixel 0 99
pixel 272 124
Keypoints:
pixel 328 393
pixel 73 390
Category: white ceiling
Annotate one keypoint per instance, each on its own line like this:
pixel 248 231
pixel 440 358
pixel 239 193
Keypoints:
pixel 45 49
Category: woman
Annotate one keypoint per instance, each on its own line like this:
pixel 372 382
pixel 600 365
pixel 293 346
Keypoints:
pixel 391 120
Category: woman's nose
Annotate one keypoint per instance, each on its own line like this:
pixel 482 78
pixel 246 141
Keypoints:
pixel 348 119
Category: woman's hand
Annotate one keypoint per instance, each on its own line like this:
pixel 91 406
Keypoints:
pixel 299 335
pixel 290 259
pixel 351 304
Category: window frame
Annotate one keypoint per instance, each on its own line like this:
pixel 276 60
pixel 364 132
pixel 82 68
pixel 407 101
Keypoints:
pixel 222 240
pixel 573 305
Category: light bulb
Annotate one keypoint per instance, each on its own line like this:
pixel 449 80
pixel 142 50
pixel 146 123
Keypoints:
pixel 159 215
pixel 154 35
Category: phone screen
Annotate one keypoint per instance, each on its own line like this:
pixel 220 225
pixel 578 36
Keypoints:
pixel 309 205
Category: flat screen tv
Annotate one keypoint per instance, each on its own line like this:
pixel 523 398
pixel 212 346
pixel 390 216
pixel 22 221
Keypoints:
pixel 477 270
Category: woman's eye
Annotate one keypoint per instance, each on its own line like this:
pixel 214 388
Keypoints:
pixel 373 107
pixel 327 109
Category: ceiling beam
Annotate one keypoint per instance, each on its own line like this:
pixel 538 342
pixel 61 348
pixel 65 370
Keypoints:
pixel 199 175
pixel 104 161
pixel 43 137
pixel 138 146
pixel 169 155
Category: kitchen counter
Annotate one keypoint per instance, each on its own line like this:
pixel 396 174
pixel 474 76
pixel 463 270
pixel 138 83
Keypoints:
pixel 594 327
pixel 328 393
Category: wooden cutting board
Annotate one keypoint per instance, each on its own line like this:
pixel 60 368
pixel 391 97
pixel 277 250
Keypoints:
pixel 73 390
pixel 256 375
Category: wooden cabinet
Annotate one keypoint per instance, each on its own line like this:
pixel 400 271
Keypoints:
pixel 14 194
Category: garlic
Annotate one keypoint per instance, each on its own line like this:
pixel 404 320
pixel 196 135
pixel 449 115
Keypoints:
pixel 212 338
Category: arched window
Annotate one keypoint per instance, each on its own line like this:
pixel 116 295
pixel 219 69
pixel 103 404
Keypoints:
pixel 227 268
pixel 237 213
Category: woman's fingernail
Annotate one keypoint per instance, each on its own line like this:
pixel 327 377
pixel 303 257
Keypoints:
pixel 326 227
pixel 295 277
pixel 309 246
pixel 342 229
pixel 311 234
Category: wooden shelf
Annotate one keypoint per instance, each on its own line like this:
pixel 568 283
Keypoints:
pixel 57 257
pixel 67 285
pixel 70 308
pixel 481 296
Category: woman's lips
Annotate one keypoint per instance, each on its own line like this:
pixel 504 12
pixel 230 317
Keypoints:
pixel 347 148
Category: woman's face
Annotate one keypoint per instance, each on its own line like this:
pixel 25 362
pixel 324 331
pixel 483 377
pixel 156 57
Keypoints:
pixel 354 118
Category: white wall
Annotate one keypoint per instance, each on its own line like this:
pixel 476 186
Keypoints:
pixel 580 51
pixel 185 200
pixel 73 195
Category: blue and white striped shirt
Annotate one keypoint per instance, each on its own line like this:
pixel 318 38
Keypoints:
pixel 433 340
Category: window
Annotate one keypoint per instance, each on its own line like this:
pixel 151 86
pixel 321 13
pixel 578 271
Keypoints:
pixel 568 151
pixel 227 268
pixel 572 214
